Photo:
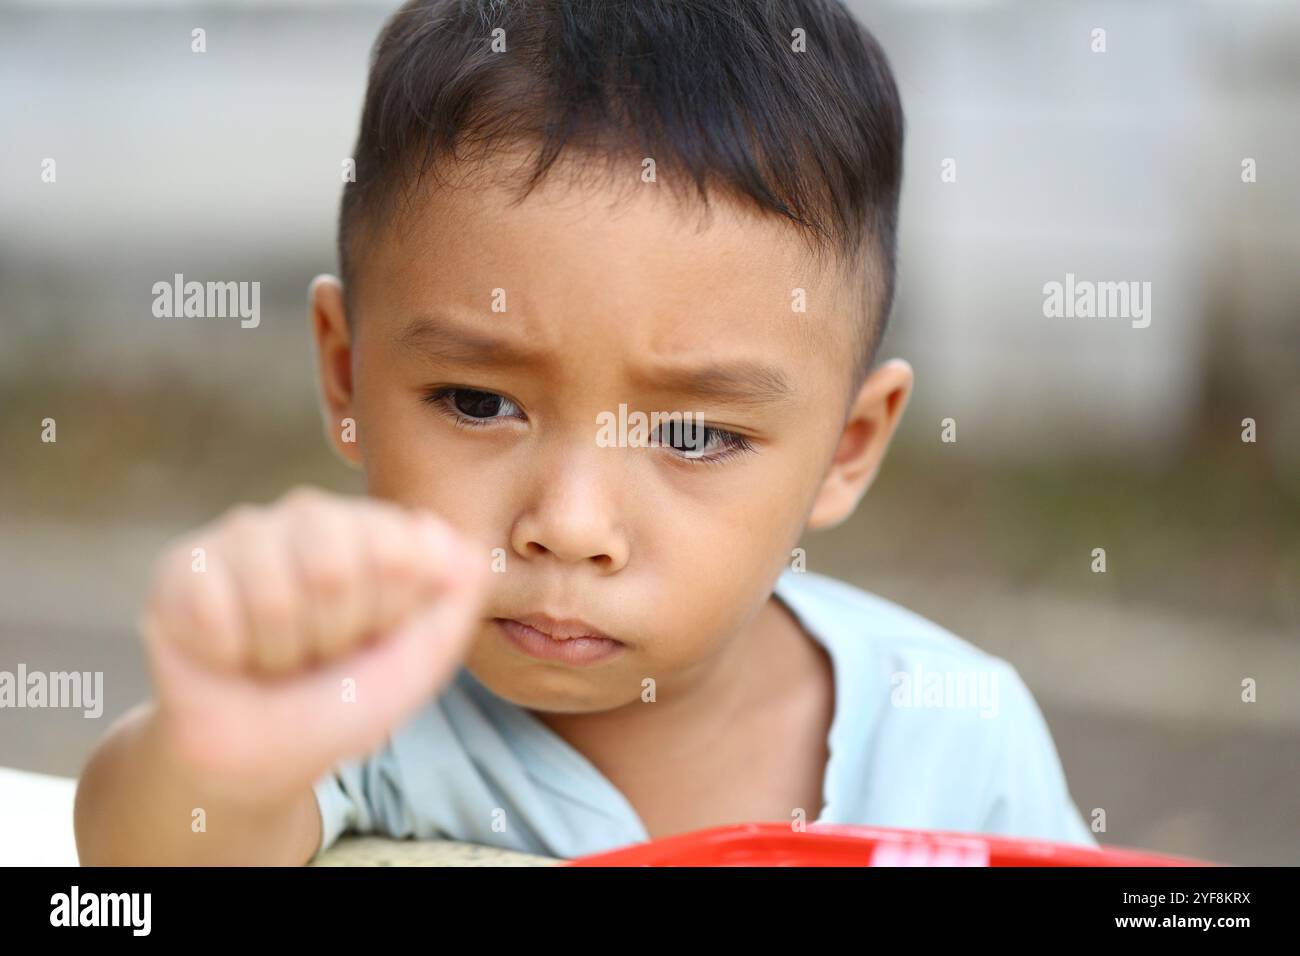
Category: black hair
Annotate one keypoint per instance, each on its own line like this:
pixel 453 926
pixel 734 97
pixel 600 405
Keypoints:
pixel 717 92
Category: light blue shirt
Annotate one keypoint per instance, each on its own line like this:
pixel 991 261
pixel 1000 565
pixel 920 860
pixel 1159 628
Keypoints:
pixel 928 732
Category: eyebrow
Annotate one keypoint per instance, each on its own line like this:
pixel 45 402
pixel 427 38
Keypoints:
pixel 430 338
pixel 740 382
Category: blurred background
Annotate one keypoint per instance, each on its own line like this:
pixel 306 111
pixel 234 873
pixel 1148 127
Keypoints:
pixel 1072 434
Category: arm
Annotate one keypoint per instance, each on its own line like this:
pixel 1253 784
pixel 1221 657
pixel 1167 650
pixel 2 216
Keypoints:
pixel 292 604
pixel 135 806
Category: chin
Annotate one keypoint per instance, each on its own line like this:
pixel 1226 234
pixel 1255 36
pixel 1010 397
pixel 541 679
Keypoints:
pixel 552 689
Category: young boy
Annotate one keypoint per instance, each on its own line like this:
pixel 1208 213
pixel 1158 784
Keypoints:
pixel 551 626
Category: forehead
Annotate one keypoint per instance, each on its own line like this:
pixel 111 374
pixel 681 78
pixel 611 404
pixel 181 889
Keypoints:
pixel 584 270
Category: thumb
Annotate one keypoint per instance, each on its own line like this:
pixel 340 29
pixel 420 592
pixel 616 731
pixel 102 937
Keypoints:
pixel 284 732
pixel 356 701
pixel 390 678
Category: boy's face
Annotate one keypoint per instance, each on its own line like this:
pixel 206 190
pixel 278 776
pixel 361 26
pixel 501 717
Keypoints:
pixel 489 343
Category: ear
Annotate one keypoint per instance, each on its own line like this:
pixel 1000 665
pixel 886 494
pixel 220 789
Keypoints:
pixel 334 362
pixel 872 418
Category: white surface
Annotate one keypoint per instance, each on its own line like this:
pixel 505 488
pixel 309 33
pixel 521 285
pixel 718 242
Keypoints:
pixel 36 819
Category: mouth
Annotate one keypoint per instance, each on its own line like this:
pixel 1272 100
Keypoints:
pixel 566 640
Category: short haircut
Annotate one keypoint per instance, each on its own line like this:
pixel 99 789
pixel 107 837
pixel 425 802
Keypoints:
pixel 717 92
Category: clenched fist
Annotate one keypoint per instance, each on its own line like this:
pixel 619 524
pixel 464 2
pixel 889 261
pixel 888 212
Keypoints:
pixel 284 638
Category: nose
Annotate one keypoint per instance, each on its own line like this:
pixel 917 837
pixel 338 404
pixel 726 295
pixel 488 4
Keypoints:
pixel 573 512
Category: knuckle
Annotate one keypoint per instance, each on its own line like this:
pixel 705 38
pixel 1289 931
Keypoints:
pixel 170 587
pixel 207 610
pixel 273 608
pixel 302 498
pixel 173 562
pixel 392 562
pixel 326 575
pixel 241 521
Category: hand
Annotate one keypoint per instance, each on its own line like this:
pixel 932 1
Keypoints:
pixel 304 632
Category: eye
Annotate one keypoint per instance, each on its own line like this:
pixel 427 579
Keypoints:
pixel 472 407
pixel 699 443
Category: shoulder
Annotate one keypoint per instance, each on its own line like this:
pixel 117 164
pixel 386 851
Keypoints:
pixel 898 663
pixel 906 677
pixel 858 620
pixel 954 726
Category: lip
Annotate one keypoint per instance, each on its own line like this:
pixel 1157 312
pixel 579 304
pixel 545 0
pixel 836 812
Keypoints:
pixel 567 640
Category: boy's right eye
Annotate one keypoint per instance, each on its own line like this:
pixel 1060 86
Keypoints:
pixel 471 406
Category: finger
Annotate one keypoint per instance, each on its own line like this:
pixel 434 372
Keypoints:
pixel 406 553
pixel 326 548
pixel 251 729
pixel 387 681
pixel 268 591
pixel 195 603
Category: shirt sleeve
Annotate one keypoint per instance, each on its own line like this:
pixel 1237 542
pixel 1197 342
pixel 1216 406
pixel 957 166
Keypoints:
pixel 357 796
pixel 1027 794
pixel 341 808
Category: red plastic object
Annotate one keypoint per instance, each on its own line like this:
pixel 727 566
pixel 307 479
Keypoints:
pixel 825 844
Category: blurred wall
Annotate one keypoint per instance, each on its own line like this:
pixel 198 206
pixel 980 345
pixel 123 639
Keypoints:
pixel 1115 166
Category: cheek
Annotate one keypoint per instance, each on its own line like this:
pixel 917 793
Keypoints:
pixel 708 576
pixel 395 444
pixel 409 456
pixel 738 517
